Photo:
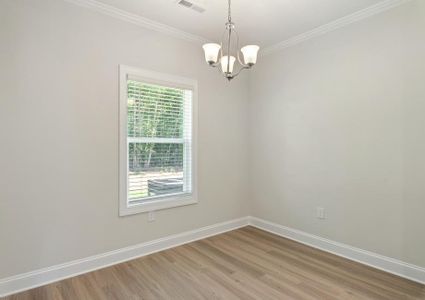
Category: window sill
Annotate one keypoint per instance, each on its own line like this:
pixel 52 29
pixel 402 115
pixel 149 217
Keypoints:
pixel 158 204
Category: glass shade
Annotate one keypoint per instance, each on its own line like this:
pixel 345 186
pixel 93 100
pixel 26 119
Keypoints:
pixel 211 52
pixel 224 61
pixel 250 54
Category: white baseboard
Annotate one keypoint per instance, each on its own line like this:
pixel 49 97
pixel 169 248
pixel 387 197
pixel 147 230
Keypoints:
pixel 374 260
pixel 21 282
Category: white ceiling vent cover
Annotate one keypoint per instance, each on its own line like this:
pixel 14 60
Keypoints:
pixel 192 4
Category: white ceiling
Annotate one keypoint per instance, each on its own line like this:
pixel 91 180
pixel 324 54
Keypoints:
pixel 264 22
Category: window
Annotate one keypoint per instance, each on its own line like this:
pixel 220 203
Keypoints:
pixel 157 149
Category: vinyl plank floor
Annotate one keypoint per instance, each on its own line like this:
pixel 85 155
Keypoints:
pixel 247 263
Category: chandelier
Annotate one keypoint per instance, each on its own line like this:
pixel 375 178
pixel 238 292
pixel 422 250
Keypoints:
pixel 223 56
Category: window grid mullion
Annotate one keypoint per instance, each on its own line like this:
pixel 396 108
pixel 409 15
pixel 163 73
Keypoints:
pixel 155 140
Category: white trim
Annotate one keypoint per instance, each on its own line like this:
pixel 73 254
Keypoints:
pixel 295 40
pixel 334 25
pixel 155 140
pixel 138 20
pixel 18 283
pixel 166 201
pixel 374 260
pixel 21 282
pixel 159 78
pixel 159 202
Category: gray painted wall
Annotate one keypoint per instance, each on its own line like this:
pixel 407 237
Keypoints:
pixel 335 122
pixel 59 134
pixel 338 122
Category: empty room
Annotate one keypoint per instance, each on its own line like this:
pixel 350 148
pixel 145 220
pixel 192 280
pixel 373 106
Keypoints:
pixel 212 149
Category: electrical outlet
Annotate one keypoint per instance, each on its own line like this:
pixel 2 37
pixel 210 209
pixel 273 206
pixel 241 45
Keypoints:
pixel 320 213
pixel 151 216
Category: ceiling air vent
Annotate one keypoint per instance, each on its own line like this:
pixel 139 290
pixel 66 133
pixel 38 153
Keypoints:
pixel 192 4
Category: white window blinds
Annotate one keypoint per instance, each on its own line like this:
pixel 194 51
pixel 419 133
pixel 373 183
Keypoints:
pixel 159 141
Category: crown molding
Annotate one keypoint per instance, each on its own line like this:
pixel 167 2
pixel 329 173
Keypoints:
pixel 180 34
pixel 138 20
pixel 334 25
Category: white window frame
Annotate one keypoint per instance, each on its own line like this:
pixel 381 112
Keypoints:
pixel 166 201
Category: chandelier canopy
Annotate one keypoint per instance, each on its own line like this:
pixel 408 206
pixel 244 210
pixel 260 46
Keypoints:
pixel 225 55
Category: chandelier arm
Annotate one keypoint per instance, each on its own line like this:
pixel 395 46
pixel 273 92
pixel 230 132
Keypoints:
pixel 240 70
pixel 221 44
pixel 218 63
pixel 241 63
pixel 238 50
pixel 215 65
pixel 220 69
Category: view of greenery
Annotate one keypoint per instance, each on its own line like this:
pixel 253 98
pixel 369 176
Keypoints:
pixel 155 112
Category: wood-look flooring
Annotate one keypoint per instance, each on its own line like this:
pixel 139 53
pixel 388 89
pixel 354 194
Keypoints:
pixel 242 264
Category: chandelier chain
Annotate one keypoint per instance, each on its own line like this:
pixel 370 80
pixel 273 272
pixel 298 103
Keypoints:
pixel 229 17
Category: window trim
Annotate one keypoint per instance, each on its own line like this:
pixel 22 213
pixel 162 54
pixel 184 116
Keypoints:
pixel 162 202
